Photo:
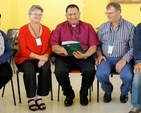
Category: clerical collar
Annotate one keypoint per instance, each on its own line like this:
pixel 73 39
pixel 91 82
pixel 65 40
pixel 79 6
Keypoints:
pixel 73 25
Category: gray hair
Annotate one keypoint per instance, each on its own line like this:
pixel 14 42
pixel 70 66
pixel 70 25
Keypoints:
pixel 34 7
pixel 115 5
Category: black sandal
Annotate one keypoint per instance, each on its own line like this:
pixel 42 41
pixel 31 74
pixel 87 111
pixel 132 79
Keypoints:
pixel 32 105
pixel 41 106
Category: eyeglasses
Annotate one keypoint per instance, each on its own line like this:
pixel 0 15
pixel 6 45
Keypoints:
pixel 110 13
pixel 35 14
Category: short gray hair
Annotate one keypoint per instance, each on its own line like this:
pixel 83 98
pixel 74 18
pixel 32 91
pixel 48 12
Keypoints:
pixel 34 7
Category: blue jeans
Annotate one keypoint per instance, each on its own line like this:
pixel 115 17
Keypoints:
pixel 104 70
pixel 136 91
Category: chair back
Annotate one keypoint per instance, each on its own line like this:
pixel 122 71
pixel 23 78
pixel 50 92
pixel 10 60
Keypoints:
pixel 12 36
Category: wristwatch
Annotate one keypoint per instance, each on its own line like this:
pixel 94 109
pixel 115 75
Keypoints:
pixel 86 55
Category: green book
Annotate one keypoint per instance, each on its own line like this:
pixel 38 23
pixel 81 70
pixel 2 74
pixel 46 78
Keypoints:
pixel 72 46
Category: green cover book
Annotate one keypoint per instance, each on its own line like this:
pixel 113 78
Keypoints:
pixel 72 46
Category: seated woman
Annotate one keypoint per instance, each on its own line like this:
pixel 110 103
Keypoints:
pixel 5 53
pixel 33 56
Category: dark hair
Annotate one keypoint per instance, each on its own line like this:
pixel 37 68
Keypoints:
pixel 115 5
pixel 72 6
pixel 0 15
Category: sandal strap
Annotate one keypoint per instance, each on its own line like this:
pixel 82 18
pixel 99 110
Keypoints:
pixel 31 100
pixel 40 104
pixel 32 105
pixel 39 99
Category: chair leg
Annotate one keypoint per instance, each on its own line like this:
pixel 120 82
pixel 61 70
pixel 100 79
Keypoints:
pixel 51 90
pixel 92 87
pixel 14 99
pixel 12 86
pixel 3 91
pixel 18 86
pixel 90 93
pixel 13 63
pixel 97 91
pixel 58 92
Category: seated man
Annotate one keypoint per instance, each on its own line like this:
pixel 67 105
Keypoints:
pixel 74 30
pixel 136 85
pixel 115 52
pixel 5 53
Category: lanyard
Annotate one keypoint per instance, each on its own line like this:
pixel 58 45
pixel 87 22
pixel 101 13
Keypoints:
pixel 78 32
pixel 37 36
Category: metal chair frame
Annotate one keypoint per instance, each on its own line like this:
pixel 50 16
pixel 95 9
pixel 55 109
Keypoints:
pixel 13 92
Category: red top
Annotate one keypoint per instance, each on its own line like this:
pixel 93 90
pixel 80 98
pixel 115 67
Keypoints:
pixel 27 44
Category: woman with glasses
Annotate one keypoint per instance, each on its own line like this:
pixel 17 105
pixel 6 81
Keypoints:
pixel 33 56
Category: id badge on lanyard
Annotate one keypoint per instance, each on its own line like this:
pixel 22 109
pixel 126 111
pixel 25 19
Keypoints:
pixel 38 41
pixel 110 48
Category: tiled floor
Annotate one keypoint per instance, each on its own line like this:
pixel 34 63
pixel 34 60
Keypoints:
pixel 7 105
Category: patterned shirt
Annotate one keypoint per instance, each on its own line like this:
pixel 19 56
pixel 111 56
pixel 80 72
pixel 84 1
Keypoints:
pixel 120 39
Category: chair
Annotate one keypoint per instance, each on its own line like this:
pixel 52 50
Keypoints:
pixel 75 71
pixel 18 84
pixel 113 73
pixel 12 33
pixel 12 36
pixel 12 86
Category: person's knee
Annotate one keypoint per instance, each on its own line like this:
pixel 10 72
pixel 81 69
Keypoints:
pixel 100 74
pixel 60 72
pixel 127 78
pixel 30 70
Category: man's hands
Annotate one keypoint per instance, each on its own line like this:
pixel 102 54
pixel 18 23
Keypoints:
pixel 79 55
pixel 99 59
pixel 137 68
pixel 120 64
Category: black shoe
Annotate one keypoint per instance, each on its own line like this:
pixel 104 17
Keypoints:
pixel 123 98
pixel 107 98
pixel 135 110
pixel 69 100
pixel 84 100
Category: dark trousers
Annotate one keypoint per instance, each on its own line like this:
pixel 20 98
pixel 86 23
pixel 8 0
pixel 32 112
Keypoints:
pixel 33 87
pixel 5 73
pixel 63 65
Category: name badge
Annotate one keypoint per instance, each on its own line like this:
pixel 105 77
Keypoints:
pixel 38 41
pixel 110 49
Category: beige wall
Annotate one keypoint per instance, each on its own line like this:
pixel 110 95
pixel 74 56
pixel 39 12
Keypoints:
pixel 54 11
pixel 94 12
pixel 15 12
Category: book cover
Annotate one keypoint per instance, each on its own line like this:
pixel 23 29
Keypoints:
pixel 72 46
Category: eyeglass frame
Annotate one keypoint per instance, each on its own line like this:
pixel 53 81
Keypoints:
pixel 110 13
pixel 35 14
